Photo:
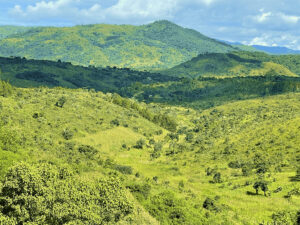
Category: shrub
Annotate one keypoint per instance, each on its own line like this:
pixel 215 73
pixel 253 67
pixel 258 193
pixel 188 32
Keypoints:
pixel 61 102
pixel 87 150
pixel 115 122
pixel 46 194
pixel 5 89
pixel 209 204
pixel 124 169
pixel 140 144
pixel 67 134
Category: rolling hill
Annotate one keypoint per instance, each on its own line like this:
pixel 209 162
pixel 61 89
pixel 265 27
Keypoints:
pixel 161 44
pixel 235 64
pixel 200 92
pixel 85 157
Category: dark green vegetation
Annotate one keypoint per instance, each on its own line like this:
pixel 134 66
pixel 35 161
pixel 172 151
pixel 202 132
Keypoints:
pixel 200 93
pixel 84 157
pixel 31 73
pixel 158 45
pixel 240 63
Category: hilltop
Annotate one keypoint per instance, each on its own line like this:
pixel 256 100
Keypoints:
pixel 160 44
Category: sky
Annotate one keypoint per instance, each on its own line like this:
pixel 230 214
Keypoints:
pixel 251 22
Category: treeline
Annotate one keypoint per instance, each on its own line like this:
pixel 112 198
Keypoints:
pixel 204 93
pixel 162 120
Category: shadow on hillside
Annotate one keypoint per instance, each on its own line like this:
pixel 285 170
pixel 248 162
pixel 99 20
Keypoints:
pixel 295 178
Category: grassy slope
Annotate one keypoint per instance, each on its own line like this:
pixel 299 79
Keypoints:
pixel 237 64
pixel 158 45
pixel 267 127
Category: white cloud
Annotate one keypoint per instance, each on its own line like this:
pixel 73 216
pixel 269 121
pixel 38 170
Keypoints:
pixel 263 17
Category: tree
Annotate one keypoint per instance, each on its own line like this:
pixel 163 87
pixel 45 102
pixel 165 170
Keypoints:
pixel 263 185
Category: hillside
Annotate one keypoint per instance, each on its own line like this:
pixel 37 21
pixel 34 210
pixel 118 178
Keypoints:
pixel 234 64
pixel 199 93
pixel 34 73
pixel 161 44
pixel 74 144
pixel 6 31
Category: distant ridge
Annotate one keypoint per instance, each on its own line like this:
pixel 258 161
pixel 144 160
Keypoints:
pixel 158 45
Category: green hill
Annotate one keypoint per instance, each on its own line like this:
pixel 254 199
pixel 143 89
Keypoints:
pixel 161 44
pixel 199 93
pixel 6 31
pixel 84 157
pixel 237 64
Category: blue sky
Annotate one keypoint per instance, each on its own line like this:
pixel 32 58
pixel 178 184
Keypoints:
pixel 263 22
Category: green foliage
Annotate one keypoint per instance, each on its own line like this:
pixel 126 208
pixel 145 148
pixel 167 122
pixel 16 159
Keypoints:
pixel 87 150
pixel 46 194
pixel 158 45
pixel 263 185
pixel 61 102
pixel 5 88
pixel 286 217
pixel 233 64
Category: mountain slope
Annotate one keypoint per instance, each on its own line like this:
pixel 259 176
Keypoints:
pixel 6 31
pixel 158 45
pixel 237 64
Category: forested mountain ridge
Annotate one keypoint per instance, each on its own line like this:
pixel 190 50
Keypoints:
pixel 160 44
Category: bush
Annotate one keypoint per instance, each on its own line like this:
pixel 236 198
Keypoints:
pixel 286 217
pixel 46 194
pixel 5 89
pixel 124 169
pixel 209 204
pixel 140 144
pixel 87 150
pixel 61 102
pixel 67 134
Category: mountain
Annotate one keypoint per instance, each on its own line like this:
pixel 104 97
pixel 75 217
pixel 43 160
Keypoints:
pixel 85 157
pixel 240 63
pixel 276 50
pixel 161 44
